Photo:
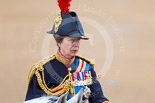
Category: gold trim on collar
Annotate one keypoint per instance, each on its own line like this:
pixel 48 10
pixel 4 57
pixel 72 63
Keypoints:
pixel 61 58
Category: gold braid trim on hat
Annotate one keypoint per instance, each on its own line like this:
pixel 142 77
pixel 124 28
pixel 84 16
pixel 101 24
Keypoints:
pixel 64 87
pixel 57 23
pixel 90 61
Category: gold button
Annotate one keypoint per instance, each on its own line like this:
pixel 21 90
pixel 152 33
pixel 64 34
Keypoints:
pixel 69 69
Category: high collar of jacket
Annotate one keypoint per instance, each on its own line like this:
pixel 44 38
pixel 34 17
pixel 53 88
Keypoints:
pixel 61 58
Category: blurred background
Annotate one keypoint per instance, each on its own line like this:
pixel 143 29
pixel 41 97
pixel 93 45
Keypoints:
pixel 122 39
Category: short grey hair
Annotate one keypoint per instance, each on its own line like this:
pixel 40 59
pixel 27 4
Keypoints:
pixel 58 38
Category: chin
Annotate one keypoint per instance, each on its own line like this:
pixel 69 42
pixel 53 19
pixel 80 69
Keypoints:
pixel 73 54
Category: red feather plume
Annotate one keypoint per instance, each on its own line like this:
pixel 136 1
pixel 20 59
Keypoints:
pixel 64 5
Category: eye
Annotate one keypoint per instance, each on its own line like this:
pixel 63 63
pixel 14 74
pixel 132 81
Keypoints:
pixel 72 39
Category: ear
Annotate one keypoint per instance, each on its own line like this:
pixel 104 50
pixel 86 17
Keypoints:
pixel 62 98
pixel 59 45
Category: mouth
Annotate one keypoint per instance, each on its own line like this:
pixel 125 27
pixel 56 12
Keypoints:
pixel 74 51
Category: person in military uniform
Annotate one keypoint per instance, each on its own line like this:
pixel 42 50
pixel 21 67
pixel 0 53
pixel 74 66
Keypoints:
pixel 65 72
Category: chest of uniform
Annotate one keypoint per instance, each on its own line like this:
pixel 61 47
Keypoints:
pixel 82 75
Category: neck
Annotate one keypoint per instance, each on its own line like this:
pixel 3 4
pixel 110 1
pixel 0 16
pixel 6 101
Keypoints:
pixel 63 59
pixel 69 57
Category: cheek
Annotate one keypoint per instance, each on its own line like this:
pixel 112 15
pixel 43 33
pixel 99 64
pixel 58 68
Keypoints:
pixel 66 47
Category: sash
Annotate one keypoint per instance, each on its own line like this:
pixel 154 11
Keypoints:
pixel 81 77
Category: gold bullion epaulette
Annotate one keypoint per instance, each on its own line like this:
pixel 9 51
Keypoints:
pixel 38 67
pixel 87 60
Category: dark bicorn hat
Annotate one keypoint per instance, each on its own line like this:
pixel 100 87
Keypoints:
pixel 67 23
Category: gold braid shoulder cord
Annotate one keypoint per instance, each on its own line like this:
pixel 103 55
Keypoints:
pixel 64 87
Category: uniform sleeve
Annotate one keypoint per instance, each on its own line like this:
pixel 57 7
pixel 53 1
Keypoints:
pixel 34 90
pixel 97 95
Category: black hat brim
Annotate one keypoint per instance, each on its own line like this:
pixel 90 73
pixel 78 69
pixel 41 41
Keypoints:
pixel 79 36
pixel 74 35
